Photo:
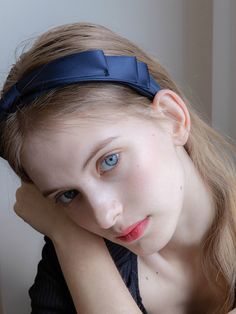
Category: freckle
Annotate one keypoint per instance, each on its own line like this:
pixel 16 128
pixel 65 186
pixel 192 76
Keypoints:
pixel 146 278
pixel 181 188
pixel 157 272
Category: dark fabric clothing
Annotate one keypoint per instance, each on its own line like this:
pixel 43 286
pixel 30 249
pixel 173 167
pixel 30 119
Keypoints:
pixel 49 293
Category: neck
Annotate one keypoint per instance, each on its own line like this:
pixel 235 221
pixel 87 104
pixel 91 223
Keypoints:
pixel 178 264
pixel 197 213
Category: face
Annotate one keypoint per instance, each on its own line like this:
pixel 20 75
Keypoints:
pixel 121 179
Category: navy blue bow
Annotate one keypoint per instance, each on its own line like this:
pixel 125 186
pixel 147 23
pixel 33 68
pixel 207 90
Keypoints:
pixel 87 66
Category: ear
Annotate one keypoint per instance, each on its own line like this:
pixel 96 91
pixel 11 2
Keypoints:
pixel 171 106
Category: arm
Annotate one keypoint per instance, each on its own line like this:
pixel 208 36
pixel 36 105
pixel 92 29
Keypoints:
pixel 91 291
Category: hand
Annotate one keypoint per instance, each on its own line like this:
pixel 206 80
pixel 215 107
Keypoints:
pixel 42 214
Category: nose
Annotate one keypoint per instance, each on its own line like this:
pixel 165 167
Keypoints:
pixel 106 210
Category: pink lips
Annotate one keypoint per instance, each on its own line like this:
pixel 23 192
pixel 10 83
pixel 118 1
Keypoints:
pixel 134 231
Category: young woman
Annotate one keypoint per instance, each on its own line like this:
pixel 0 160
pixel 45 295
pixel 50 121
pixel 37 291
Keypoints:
pixel 139 192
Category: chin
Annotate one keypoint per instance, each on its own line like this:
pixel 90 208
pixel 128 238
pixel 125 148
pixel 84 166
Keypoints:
pixel 143 249
pixel 148 246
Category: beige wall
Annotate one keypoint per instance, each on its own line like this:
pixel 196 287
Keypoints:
pixel 197 55
pixel 224 67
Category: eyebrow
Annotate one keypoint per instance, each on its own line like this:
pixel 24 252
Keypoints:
pixel 100 145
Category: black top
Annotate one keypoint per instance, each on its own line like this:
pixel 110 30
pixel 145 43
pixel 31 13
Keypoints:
pixel 49 293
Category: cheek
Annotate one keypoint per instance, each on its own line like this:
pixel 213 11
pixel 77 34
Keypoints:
pixel 137 190
pixel 156 183
pixel 142 172
pixel 80 215
pixel 138 179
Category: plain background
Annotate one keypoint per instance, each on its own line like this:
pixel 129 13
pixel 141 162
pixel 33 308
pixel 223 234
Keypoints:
pixel 194 40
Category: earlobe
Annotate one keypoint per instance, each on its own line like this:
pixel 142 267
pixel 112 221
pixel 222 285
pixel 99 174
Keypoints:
pixel 171 106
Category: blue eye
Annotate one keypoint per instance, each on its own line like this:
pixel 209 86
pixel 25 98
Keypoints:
pixel 109 162
pixel 67 197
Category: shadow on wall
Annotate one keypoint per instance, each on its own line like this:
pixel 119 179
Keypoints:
pixel 197 54
pixel 232 63
pixel 1 308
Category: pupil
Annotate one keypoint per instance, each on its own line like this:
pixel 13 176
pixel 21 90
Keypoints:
pixel 111 160
pixel 70 194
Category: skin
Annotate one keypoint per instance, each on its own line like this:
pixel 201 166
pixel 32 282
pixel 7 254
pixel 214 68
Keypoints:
pixel 69 241
pixel 150 162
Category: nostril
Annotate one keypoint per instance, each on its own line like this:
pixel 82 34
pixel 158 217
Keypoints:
pixel 115 210
pixel 111 216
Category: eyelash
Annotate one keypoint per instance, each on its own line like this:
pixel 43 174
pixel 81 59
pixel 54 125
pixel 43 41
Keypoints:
pixel 57 198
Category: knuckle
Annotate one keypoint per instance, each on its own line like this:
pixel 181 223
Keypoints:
pixel 15 208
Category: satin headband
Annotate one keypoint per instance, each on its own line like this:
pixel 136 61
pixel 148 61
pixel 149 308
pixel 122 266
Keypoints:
pixel 87 66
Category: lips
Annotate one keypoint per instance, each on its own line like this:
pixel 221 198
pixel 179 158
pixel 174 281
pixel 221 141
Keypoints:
pixel 134 231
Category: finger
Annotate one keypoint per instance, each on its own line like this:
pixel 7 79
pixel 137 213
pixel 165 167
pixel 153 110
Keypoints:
pixel 17 210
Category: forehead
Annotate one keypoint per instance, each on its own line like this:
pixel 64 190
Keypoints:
pixel 82 130
pixel 60 140
pixel 88 125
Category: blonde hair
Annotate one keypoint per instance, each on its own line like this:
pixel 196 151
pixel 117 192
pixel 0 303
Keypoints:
pixel 211 154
